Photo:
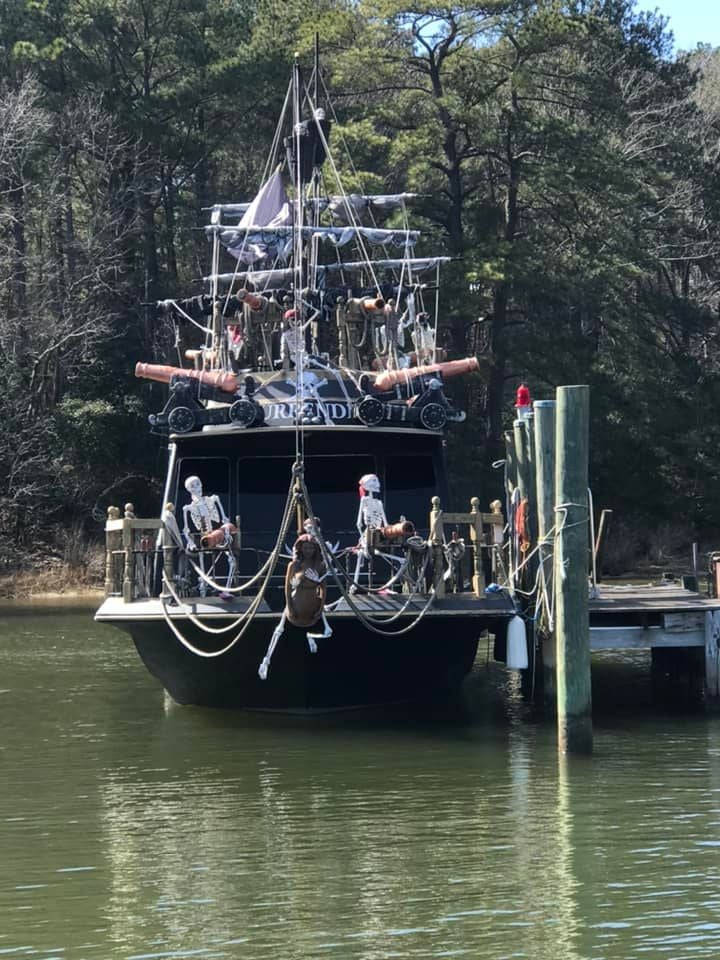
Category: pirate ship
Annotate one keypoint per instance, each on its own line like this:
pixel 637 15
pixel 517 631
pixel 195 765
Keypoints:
pixel 302 558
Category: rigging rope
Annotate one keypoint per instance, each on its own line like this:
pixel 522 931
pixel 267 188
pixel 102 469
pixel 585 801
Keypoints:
pixel 370 622
pixel 247 617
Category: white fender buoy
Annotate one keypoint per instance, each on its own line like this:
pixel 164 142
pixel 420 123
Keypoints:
pixel 516 657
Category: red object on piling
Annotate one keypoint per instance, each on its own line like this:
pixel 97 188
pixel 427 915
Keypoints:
pixel 522 397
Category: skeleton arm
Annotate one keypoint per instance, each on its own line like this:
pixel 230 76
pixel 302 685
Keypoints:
pixel 382 512
pixel 360 516
pixel 187 533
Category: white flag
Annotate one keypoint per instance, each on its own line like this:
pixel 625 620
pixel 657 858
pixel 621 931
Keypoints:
pixel 270 208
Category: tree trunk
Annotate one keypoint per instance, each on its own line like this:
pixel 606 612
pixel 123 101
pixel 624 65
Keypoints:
pixel 169 207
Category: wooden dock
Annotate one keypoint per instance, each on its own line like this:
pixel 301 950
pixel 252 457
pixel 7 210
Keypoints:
pixel 652 617
pixel 634 617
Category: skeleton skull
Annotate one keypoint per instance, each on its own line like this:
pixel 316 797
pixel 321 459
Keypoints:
pixel 370 483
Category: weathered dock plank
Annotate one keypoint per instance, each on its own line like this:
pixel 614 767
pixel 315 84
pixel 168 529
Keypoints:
pixel 658 599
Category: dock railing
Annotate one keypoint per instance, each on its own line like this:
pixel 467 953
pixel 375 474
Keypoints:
pixel 483 531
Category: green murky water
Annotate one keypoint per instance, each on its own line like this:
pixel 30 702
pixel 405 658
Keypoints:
pixel 131 828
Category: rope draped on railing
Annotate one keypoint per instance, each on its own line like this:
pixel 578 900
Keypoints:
pixel 297 493
pixel 372 623
pixel 247 617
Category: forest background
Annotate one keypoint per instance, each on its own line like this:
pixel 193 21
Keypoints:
pixel 564 154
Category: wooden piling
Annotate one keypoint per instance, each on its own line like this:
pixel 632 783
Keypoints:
pixel 510 465
pixel 712 659
pixel 523 443
pixel 522 458
pixel 544 435
pixel 574 696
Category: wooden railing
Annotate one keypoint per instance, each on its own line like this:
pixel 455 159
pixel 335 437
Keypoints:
pixel 482 529
pixel 131 549
pixel 135 549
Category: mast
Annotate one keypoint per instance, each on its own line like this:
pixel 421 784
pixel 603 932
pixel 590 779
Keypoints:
pixel 216 310
pixel 315 190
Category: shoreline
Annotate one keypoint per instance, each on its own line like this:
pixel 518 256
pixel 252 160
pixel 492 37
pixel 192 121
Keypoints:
pixel 37 587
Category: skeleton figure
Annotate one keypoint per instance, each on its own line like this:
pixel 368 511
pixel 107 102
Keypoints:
pixel 204 512
pixel 388 335
pixel 371 516
pixel 292 340
pixel 423 338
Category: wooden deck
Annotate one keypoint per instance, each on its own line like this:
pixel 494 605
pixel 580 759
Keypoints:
pixel 651 617
pixel 663 598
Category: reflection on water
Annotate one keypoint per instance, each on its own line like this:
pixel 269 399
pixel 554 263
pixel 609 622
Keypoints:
pixel 132 828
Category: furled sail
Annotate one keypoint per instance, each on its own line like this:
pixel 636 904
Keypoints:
pixel 360 203
pixel 269 209
pixel 337 205
pixel 268 279
pixel 253 244
pixel 232 209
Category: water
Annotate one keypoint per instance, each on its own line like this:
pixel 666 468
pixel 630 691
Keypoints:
pixel 131 828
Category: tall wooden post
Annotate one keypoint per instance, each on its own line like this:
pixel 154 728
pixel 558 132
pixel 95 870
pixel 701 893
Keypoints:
pixel 522 433
pixel 510 464
pixel 544 411
pixel 522 457
pixel 600 540
pixel 712 659
pixel 574 695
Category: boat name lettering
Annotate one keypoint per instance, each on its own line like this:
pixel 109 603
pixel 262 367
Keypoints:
pixel 286 411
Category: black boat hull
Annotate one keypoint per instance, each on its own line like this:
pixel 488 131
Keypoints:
pixel 353 668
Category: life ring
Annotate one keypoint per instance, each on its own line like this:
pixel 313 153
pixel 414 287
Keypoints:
pixel 522 525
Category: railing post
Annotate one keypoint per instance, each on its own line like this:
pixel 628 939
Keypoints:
pixel 477 538
pixel 436 545
pixel 497 534
pixel 128 537
pixel 111 545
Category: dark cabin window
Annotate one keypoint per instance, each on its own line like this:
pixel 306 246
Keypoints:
pixel 332 484
pixel 214 472
pixel 410 485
